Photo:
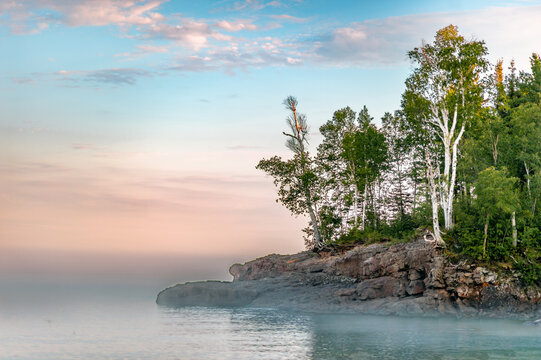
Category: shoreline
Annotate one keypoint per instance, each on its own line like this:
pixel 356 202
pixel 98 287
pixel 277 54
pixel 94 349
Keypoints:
pixel 406 279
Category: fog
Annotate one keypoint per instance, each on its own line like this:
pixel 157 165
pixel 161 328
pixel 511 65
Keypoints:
pixel 56 279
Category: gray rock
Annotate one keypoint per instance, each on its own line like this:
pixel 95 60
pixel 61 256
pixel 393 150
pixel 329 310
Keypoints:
pixel 208 293
pixel 402 279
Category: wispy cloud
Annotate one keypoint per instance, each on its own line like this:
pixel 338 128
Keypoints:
pixel 244 147
pixel 118 76
pixel 186 32
pixel 237 25
pixel 30 16
pixel 264 52
pixel 122 208
pixel 508 31
pixel 84 146
pixel 286 17
pixel 197 45
pixel 255 4
pixel 23 80
pixel 144 49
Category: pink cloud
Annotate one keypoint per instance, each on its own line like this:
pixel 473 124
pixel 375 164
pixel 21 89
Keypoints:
pixel 189 33
pixel 235 25
pixel 105 12
pixel 108 209
pixel 23 17
pixel 144 49
pixel 288 18
pixel 23 80
pixel 386 41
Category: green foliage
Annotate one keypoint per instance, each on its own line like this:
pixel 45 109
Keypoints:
pixel 296 179
pixel 495 192
pixel 365 152
pixel 529 256
pixel 402 229
pixel 448 76
pixel 356 236
pixel 370 184
pixel 290 181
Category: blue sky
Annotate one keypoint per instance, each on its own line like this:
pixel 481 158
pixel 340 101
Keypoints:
pixel 118 113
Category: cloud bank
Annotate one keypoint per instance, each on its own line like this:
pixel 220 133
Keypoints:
pixel 184 44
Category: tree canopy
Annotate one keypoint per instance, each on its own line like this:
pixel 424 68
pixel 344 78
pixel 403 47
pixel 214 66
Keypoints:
pixel 462 154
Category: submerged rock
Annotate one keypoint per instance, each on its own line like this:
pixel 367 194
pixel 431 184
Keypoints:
pixel 402 279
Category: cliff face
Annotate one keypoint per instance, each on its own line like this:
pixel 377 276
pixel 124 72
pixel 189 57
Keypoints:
pixel 402 279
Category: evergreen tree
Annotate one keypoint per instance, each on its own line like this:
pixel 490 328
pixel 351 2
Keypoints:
pixel 399 199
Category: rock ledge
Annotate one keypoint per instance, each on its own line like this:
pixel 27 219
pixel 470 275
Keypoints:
pixel 405 279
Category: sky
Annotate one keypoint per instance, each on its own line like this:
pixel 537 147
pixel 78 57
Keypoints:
pixel 130 129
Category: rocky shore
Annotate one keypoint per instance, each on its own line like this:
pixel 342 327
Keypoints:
pixel 409 279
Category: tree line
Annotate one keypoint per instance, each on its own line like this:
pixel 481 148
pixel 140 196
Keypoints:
pixel 461 157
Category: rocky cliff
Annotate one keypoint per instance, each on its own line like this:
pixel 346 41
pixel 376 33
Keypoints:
pixel 403 279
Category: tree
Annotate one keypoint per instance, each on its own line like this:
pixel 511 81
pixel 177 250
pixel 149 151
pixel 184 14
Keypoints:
pixel 352 156
pixel 525 130
pixel 296 178
pixel 365 153
pixel 400 163
pixel 496 194
pixel 336 179
pixel 446 92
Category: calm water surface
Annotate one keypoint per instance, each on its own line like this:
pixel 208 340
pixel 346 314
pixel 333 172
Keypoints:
pixel 82 321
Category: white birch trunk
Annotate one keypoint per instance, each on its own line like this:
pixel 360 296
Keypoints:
pixel 313 218
pixel 451 192
pixel 355 205
pixel 430 174
pixel 514 226
pixel 446 187
pixel 363 213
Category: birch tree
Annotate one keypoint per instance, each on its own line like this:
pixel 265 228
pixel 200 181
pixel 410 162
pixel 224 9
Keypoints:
pixel 446 90
pixel 295 178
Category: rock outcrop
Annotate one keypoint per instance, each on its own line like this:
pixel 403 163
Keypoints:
pixel 403 279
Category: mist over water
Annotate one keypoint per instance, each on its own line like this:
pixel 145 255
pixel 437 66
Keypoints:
pixel 44 318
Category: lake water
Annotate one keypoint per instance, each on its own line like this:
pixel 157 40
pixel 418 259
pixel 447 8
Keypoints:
pixel 77 320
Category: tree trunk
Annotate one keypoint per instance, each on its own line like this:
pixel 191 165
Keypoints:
pixel 495 150
pixel 363 214
pixel 414 194
pixel 373 203
pixel 450 147
pixel 486 236
pixel 527 179
pixel 434 198
pixel 514 226
pixel 451 190
pixel 401 200
pixel 355 205
pixel 315 225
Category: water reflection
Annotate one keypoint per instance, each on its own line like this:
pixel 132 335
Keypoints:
pixel 239 333
pixel 47 323
pixel 270 334
pixel 367 337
